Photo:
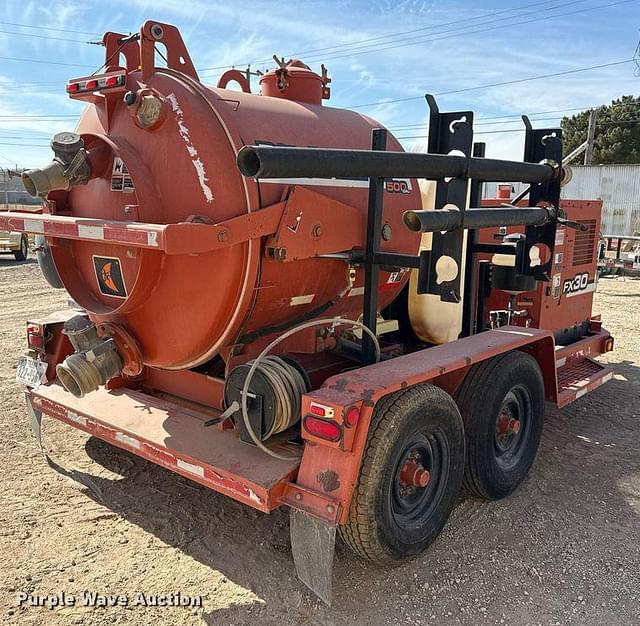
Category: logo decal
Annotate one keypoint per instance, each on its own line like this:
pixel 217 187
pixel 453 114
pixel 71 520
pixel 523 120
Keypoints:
pixel 577 285
pixel 398 185
pixel 109 276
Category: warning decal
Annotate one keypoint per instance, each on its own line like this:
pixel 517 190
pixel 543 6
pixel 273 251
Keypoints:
pixel 109 276
pixel 120 177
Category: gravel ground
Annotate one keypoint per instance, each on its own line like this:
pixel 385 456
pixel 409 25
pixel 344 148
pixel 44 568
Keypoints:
pixel 565 548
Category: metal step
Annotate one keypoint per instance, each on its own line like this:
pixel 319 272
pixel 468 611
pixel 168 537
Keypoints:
pixel 578 377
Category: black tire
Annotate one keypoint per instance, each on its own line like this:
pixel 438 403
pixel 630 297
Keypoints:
pixel 493 393
pixel 23 252
pixel 389 521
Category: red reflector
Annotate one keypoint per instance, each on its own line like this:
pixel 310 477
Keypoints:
pixel 91 84
pixel 351 416
pixel 324 429
pixel 33 328
pixel 35 341
pixel 73 88
pixel 316 409
pixel 112 81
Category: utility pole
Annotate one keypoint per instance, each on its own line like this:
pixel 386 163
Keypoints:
pixel 6 187
pixel 591 134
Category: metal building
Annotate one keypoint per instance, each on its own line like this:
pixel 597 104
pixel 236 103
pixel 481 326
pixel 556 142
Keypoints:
pixel 618 186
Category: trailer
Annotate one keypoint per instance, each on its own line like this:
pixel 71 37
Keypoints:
pixel 344 329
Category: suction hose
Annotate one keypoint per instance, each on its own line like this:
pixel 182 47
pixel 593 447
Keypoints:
pixel 94 362
pixel 334 321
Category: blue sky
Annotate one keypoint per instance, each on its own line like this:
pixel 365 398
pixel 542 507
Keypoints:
pixel 450 46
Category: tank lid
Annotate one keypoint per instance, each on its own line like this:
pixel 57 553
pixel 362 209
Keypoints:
pixel 293 80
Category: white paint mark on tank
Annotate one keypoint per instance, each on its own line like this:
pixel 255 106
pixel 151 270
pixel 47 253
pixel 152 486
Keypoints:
pixel 193 153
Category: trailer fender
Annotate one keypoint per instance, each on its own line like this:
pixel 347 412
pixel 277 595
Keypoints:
pixel 330 469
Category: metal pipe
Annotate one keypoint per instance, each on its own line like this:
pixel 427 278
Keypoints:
pixel 450 219
pixel 285 162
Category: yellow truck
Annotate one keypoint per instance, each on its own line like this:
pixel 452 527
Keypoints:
pixel 14 243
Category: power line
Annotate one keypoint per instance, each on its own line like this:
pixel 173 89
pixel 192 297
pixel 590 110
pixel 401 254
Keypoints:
pixel 452 32
pixel 521 130
pixel 357 44
pixel 466 32
pixel 59 30
pixel 36 36
pixel 502 119
pixel 500 84
pixel 415 30
pixel 43 62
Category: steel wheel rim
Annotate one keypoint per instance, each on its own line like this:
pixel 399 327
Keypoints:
pixel 411 506
pixel 509 446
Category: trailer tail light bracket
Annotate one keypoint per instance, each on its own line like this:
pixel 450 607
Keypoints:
pixel 81 88
pixel 36 337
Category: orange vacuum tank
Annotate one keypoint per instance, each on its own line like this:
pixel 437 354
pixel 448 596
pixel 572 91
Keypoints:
pixel 164 152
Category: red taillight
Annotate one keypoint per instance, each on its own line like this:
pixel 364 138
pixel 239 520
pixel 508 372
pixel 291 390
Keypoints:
pixel 352 416
pixel 112 81
pixel 35 341
pixel 35 338
pixel 325 429
pixel 73 88
pixel 91 84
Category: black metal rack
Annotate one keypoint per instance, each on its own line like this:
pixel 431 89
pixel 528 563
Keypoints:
pixel 459 173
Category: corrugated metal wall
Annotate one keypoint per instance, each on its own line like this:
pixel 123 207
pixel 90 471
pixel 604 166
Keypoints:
pixel 618 186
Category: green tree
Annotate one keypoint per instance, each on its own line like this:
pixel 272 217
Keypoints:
pixel 617 132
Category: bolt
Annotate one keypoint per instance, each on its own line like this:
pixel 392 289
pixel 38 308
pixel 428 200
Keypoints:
pixel 130 98
pixel 157 32
pixel 222 235
pixel 330 508
pixel 316 231
pixel 298 496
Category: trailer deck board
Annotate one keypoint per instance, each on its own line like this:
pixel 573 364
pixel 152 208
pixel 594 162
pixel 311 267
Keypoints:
pixel 174 437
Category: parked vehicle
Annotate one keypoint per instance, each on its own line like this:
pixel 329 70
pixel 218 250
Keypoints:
pixel 16 243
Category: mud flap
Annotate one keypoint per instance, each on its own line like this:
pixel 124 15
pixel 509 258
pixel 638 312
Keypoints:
pixel 313 543
pixel 35 417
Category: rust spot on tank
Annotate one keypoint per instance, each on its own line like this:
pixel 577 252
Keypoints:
pixel 441 370
pixel 404 384
pixel 467 360
pixel 339 385
pixel 329 480
pixel 367 396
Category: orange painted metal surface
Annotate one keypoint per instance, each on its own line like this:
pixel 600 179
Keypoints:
pixel 171 209
pixel 174 437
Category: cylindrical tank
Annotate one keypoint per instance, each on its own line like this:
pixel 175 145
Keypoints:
pixel 433 320
pixel 184 309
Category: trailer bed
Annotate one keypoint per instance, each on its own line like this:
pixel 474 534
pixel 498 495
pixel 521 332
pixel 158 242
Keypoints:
pixel 176 438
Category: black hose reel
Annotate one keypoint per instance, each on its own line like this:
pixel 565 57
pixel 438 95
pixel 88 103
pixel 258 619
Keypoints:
pixel 274 398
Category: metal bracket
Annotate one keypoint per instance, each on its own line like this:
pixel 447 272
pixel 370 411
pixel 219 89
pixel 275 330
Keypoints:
pixel 541 144
pixel 448 132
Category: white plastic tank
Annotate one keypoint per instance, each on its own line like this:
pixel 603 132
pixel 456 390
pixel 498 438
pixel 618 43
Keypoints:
pixel 433 320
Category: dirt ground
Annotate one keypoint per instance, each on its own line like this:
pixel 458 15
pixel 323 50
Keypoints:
pixel 565 548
